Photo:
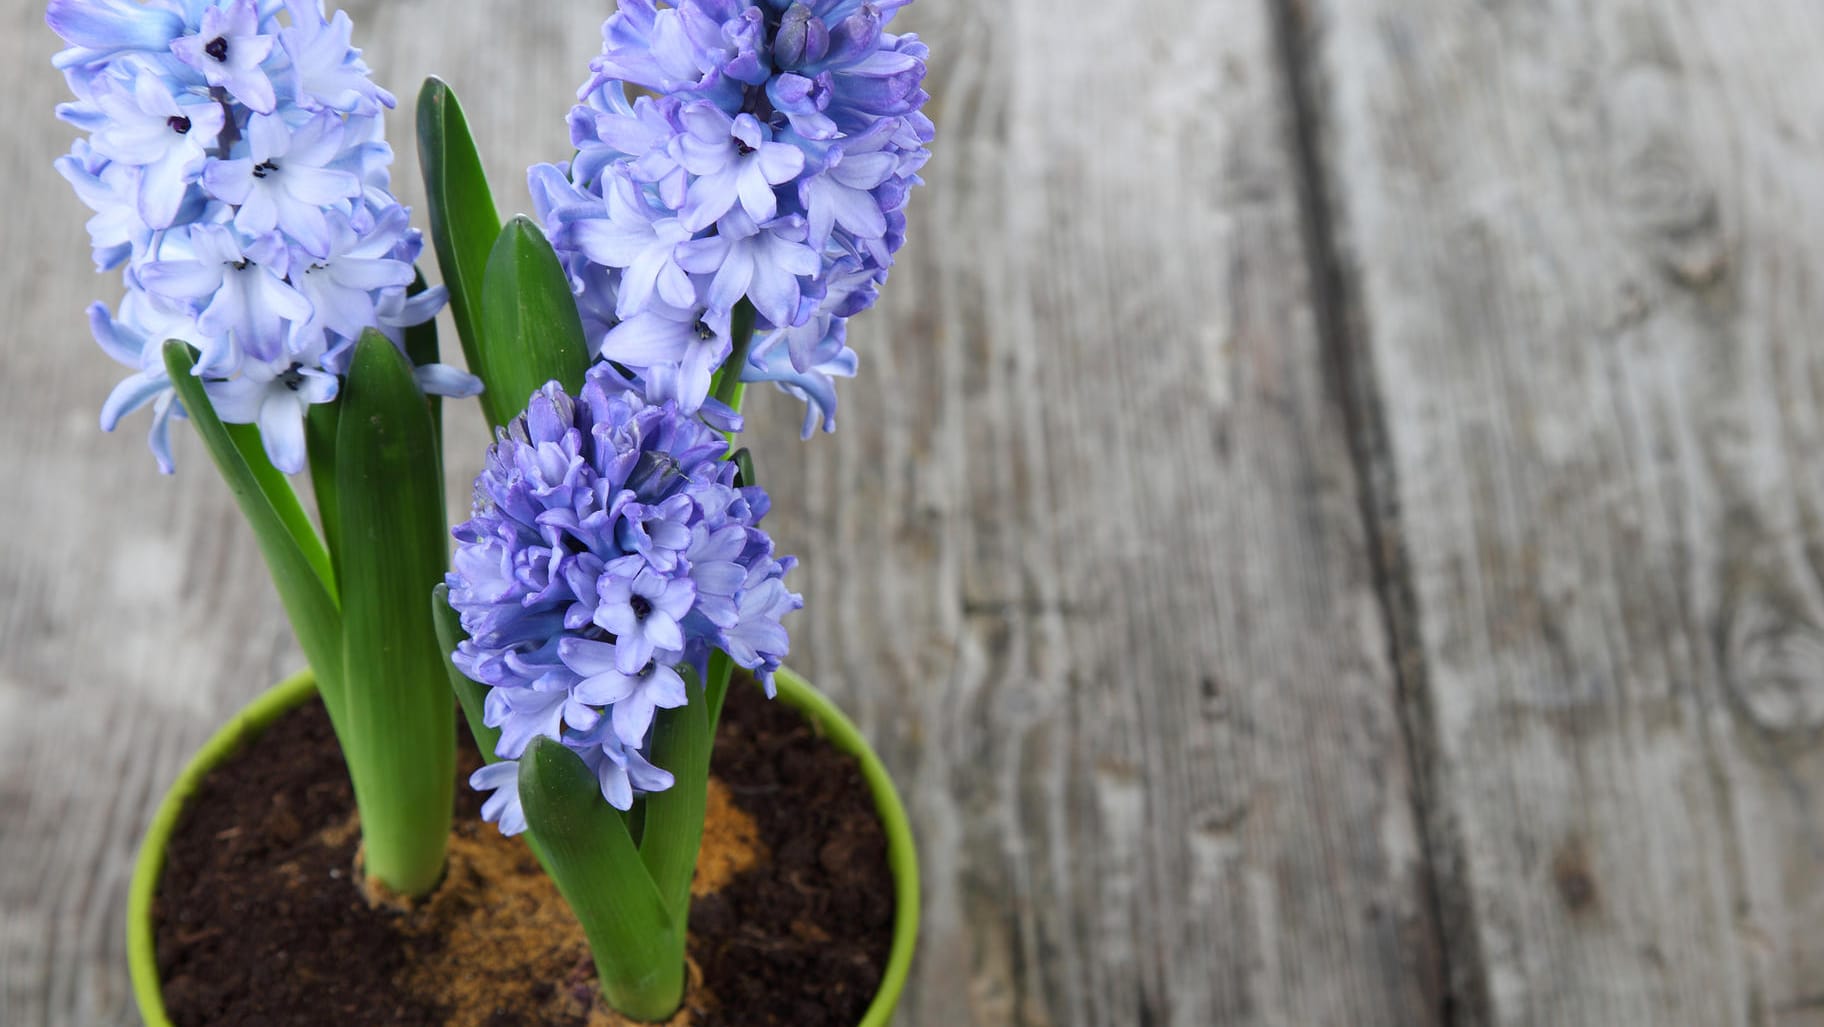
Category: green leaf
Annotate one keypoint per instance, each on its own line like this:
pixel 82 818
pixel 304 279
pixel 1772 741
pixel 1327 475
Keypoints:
pixel 721 669
pixel 401 746
pixel 421 348
pixel 294 554
pixel 320 427
pixel 470 695
pixel 673 831
pixel 530 330
pixel 637 943
pixel 463 219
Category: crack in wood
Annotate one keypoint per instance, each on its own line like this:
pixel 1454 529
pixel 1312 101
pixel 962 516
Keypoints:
pixel 1451 931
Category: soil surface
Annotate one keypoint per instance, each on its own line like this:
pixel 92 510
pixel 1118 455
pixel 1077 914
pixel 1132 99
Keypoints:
pixel 258 920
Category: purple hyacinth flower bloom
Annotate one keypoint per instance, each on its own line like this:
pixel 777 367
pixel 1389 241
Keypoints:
pixel 291 243
pixel 784 136
pixel 111 190
pixel 633 696
pixel 167 137
pixel 608 548
pixel 642 608
pixel 759 633
pixel 761 262
pixel 622 770
pixel 694 341
pixel 228 50
pixel 342 282
pixel 844 194
pixel 814 381
pixel 637 239
pixel 502 808
pixel 248 301
pixel 111 26
pixel 735 161
pixel 650 46
pixel 286 181
pixel 275 397
pixel 136 339
pixel 325 70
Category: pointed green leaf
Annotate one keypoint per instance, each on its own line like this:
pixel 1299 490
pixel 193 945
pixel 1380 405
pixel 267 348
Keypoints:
pixel 463 220
pixel 721 669
pixel 421 347
pixel 638 945
pixel 530 330
pixel 294 554
pixel 320 439
pixel 673 831
pixel 470 695
pixel 401 746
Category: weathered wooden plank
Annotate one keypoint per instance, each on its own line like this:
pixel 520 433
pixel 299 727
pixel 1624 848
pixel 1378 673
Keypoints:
pixel 1582 240
pixel 1085 557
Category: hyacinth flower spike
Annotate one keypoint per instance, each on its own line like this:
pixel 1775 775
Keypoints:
pixel 735 198
pixel 611 565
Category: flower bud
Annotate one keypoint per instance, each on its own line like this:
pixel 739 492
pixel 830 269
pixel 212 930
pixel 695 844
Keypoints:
pixel 802 39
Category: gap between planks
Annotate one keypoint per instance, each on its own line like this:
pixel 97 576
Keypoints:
pixel 1343 337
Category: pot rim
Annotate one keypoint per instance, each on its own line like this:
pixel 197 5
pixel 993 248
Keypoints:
pixel 825 716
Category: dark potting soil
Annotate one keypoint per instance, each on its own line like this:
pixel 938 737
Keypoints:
pixel 258 921
pixel 803 938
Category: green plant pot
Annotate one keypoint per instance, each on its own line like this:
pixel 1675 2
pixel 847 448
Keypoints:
pixel 794 691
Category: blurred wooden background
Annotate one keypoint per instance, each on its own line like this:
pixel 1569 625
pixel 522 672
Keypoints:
pixel 1330 529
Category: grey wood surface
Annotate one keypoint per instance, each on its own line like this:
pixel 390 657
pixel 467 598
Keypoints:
pixel 1328 530
pixel 1580 250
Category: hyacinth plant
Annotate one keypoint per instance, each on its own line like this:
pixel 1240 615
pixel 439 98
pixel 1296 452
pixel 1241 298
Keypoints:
pixel 734 197
pixel 235 160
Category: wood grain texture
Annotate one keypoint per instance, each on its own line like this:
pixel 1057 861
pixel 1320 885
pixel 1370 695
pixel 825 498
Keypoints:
pixel 1084 559
pixel 1583 242
pixel 1085 555
pixel 1088 558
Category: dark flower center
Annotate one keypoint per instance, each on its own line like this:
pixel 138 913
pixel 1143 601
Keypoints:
pixel 292 377
pixel 264 168
pixel 242 264
pixel 179 124
pixel 742 148
pixel 704 331
pixel 641 607
pixel 217 48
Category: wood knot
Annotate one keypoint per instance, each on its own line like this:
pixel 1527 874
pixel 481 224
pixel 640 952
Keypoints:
pixel 1775 667
pixel 1571 874
pixel 1675 209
